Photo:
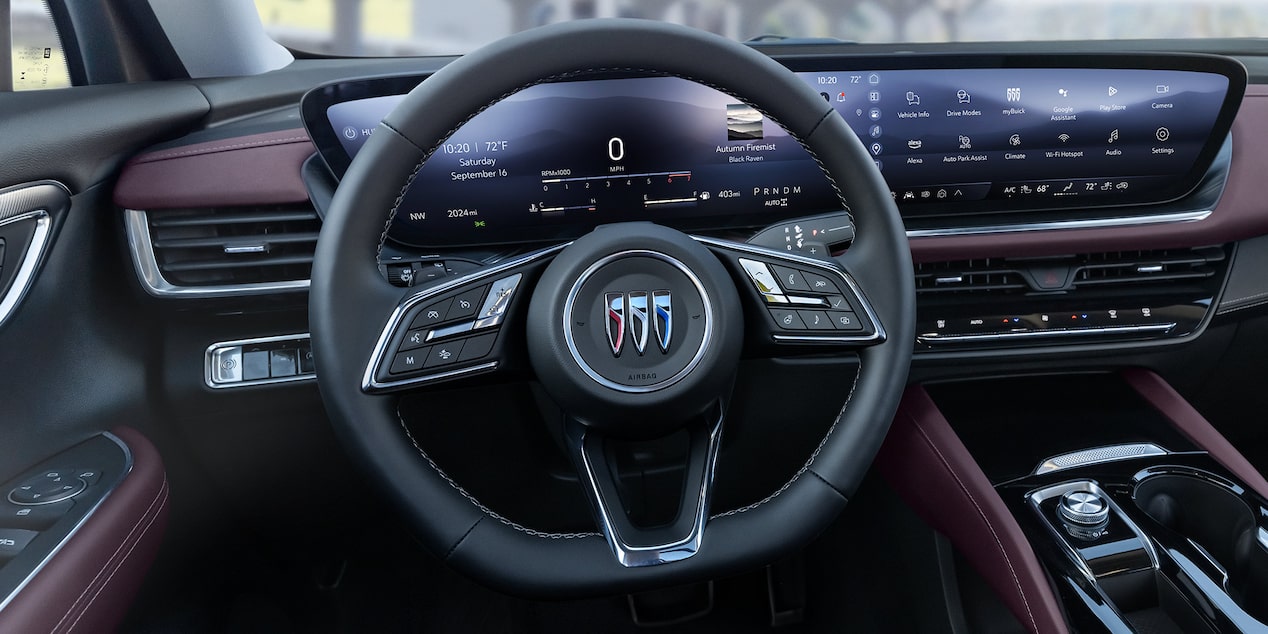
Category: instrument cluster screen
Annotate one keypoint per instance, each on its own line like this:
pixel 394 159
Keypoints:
pixel 554 160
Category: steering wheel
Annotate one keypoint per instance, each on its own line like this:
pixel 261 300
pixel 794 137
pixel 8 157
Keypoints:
pixel 635 330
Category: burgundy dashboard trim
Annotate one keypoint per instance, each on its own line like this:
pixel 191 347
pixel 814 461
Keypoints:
pixel 934 473
pixel 89 584
pixel 259 169
pixel 1242 211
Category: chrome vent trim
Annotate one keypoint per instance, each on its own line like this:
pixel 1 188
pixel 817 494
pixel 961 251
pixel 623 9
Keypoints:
pixel 989 274
pixel 150 273
pixel 1132 267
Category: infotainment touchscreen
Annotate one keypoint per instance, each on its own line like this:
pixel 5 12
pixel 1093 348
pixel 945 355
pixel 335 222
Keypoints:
pixel 1024 135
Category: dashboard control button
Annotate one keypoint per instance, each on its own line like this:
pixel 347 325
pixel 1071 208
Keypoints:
pixel 444 354
pixel 761 276
pixel 819 284
pixel 226 365
pixel 431 315
pixel 283 363
pixel 410 361
pixel 787 319
pixel 477 347
pixel 845 320
pixel 255 365
pixel 499 299
pixel 47 487
pixel 466 304
pixel 791 280
pixel 306 365
pixel 13 540
pixel 35 518
pixel 816 319
pixel 449 331
pixel 413 339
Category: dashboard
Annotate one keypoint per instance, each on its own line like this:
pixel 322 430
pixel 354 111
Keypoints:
pixel 953 137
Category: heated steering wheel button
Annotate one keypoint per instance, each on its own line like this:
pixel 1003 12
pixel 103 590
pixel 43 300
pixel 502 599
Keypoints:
pixel 466 304
pixel 444 354
pixel 787 319
pixel 816 320
pixel 410 361
pixel 431 315
pixel 845 320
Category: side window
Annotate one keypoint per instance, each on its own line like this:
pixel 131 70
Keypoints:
pixel 37 59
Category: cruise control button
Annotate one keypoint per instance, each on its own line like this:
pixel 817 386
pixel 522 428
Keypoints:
pixel 466 304
pixel 787 319
pixel 845 320
pixel 413 339
pixel 820 284
pixel 477 347
pixel 816 319
pixel 411 361
pixel 13 540
pixel 444 354
pixel 431 314
pixel 791 280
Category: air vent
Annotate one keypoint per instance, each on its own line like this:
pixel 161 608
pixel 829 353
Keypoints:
pixel 1147 267
pixel 224 251
pixel 968 276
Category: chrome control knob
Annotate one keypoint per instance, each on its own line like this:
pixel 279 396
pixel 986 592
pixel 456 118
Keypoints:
pixel 1084 508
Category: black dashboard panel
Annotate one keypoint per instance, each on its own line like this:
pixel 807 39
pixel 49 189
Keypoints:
pixel 953 135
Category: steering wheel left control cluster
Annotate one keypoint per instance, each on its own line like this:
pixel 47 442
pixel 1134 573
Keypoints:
pixel 450 329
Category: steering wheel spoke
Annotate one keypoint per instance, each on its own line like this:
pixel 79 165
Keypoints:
pixel 793 300
pixel 636 546
pixel 454 330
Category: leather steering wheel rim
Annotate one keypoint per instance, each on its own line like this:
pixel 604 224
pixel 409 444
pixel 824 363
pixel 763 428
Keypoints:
pixel 350 300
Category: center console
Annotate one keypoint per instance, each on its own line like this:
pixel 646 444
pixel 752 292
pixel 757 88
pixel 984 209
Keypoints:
pixel 1090 502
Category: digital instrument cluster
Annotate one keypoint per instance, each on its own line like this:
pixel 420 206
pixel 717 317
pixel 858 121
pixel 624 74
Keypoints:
pixel 985 135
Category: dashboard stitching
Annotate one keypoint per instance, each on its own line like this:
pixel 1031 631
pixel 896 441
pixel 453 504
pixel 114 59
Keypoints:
pixel 1247 298
pixel 471 498
pixel 806 467
pixel 1227 307
pixel 969 494
pixel 219 148
pixel 396 205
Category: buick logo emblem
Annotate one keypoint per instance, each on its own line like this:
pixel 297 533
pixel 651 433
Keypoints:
pixel 638 314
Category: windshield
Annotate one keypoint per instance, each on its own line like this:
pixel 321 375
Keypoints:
pixel 444 27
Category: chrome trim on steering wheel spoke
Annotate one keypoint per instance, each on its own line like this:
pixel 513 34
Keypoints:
pixel 380 356
pixel 632 556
